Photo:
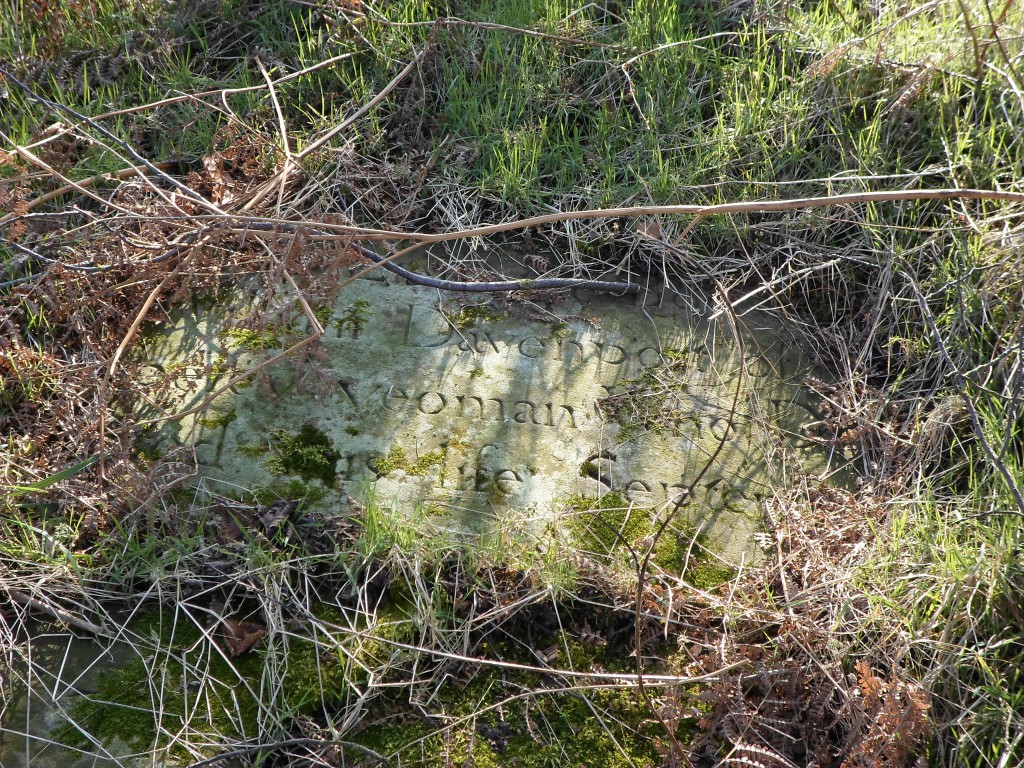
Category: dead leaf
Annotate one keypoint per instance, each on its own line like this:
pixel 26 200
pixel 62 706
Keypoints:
pixel 549 653
pixel 590 638
pixel 220 188
pixel 277 514
pixel 241 636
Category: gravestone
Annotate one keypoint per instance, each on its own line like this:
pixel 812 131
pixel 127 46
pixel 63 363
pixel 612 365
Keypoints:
pixel 46 681
pixel 474 411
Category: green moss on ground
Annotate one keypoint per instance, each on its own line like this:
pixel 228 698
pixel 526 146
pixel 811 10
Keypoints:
pixel 213 695
pixel 122 706
pixel 494 726
pixel 289 489
pixel 723 102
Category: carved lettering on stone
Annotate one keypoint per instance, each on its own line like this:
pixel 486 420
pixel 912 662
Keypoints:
pixel 515 414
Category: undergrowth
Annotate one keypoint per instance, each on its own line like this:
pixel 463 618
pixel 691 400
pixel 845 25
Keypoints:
pixel 155 153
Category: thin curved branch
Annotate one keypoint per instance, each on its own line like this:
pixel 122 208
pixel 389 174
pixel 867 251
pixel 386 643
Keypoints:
pixel 500 286
pixel 344 231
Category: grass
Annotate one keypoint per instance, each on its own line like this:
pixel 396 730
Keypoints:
pixel 909 584
pixel 951 575
pixel 613 531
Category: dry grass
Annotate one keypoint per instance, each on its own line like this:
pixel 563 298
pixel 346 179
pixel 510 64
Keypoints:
pixel 881 629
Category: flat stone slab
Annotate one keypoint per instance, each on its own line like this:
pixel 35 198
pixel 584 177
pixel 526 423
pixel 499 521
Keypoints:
pixel 479 411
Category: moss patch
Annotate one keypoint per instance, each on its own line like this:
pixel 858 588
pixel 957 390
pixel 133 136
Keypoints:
pixel 468 317
pixel 221 699
pixel 650 402
pixel 397 459
pixel 605 526
pixel 307 453
pixel 252 450
pixel 122 705
pixel 253 340
pixel 354 318
pixel 291 489
pixel 218 419
pixel 493 727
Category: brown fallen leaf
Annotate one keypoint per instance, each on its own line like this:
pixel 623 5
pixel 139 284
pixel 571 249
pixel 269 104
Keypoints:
pixel 277 514
pixel 549 653
pixel 241 636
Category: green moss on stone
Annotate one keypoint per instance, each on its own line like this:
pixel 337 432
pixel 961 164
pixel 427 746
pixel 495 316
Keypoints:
pixel 354 318
pixel 253 340
pixel 607 525
pixel 397 459
pixel 252 450
pixel 220 366
pixel 323 314
pixel 468 317
pixel 647 403
pixel 218 419
pixel 307 453
pixel 602 525
pixel 151 332
pixel 204 301
pixel 708 574
pixel 147 443
pixel 560 330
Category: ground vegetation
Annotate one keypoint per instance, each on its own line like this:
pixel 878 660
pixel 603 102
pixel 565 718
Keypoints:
pixel 851 166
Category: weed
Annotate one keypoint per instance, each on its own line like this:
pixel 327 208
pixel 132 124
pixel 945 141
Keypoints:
pixel 910 584
pixel 354 318
pixel 26 377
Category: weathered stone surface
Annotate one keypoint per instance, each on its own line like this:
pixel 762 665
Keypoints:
pixel 507 407
pixel 46 684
